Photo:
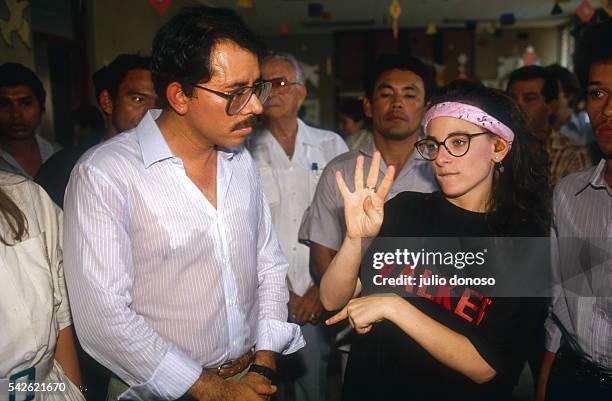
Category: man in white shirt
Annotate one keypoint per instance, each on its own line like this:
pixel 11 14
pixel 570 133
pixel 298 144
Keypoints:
pixel 290 156
pixel 22 104
pixel 176 278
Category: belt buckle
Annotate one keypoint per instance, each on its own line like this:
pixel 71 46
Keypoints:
pixel 225 365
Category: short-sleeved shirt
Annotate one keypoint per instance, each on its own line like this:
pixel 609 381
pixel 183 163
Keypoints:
pixel 324 222
pixel 289 185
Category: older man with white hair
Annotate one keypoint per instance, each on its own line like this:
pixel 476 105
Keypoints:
pixel 290 156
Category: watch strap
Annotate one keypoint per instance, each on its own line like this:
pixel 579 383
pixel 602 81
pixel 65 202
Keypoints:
pixel 265 371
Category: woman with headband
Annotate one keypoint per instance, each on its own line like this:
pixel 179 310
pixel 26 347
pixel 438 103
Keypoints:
pixel 493 184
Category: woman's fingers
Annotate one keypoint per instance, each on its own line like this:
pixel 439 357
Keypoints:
pixel 342 185
pixel 374 169
pixel 387 182
pixel 338 317
pixel 359 173
pixel 363 330
pixel 370 210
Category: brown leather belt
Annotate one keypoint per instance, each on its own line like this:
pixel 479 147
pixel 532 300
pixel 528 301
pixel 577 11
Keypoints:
pixel 232 368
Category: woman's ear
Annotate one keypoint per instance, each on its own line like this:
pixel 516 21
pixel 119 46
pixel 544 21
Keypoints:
pixel 500 150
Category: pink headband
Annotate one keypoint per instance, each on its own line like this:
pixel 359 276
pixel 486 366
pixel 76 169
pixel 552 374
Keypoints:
pixel 472 114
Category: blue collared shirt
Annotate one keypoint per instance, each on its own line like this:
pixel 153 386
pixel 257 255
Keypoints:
pixel 161 282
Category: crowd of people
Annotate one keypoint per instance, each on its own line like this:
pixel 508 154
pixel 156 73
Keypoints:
pixel 200 241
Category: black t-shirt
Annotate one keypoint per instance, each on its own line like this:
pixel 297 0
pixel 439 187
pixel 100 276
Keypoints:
pixel 386 364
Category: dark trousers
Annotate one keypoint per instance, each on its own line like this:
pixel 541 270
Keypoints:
pixel 573 378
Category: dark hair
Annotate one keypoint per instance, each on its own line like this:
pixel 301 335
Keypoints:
pixel 594 46
pixel 353 108
pixel 111 76
pixel 88 116
pixel 183 46
pixel 521 193
pixel 568 82
pixel 388 62
pixel 550 90
pixel 13 74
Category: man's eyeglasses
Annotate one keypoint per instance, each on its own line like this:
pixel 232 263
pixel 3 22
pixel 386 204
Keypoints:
pixel 281 84
pixel 239 98
pixel 457 144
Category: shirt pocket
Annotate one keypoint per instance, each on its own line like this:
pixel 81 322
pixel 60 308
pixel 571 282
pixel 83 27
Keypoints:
pixel 269 184
pixel 28 301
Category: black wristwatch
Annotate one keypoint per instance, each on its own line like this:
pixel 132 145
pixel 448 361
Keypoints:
pixel 265 371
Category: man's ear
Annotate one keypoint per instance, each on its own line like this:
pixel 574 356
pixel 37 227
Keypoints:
pixel 177 99
pixel 106 103
pixel 367 107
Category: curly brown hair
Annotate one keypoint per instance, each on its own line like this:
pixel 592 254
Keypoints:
pixel 521 193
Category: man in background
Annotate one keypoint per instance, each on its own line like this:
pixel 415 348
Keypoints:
pixel 536 92
pixel 578 361
pixel 290 156
pixel 396 94
pixel 124 90
pixel 22 104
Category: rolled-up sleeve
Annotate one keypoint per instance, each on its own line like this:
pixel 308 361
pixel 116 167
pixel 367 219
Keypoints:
pixel 99 274
pixel 274 333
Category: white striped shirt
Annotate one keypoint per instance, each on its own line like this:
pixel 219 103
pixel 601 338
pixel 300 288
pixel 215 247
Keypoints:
pixel 582 262
pixel 162 283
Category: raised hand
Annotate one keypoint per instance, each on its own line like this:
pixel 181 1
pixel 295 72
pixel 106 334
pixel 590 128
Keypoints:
pixel 363 208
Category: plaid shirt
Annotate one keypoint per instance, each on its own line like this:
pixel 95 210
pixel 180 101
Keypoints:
pixel 565 156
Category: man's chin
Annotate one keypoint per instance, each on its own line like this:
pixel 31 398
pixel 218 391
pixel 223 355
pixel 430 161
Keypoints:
pixel 393 135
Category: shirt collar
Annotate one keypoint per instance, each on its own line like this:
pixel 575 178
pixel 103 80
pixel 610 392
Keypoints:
pixel 153 145
pixel 596 180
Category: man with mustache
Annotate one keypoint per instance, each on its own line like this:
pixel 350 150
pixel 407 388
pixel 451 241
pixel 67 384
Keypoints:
pixel 396 94
pixel 578 364
pixel 22 104
pixel 175 274
pixel 290 156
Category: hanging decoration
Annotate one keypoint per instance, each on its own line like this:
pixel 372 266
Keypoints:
pixel 161 6
pixel 245 4
pixel 395 10
pixel 585 11
pixel 556 10
pixel 606 5
pixel 431 29
pixel 16 23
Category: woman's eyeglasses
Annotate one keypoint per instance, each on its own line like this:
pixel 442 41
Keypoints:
pixel 457 144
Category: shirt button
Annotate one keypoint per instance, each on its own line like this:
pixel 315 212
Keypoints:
pixel 294 248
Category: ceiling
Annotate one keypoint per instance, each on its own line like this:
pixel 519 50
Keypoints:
pixel 268 15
